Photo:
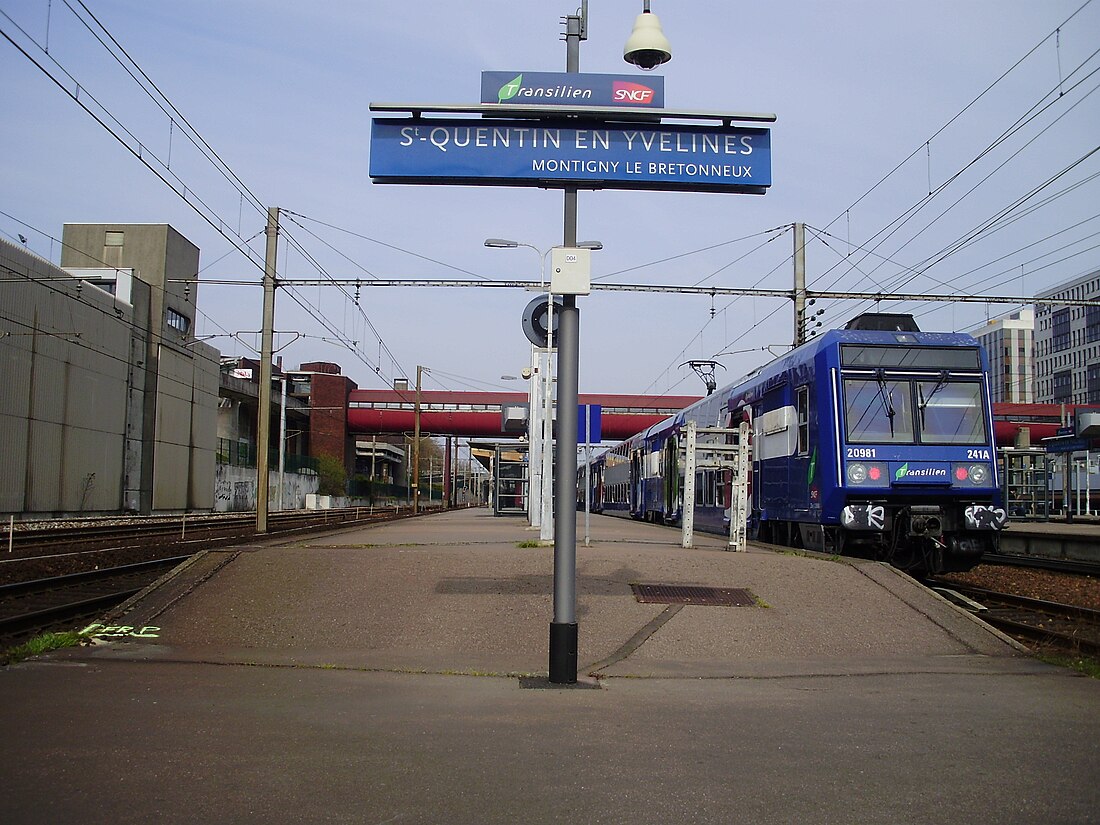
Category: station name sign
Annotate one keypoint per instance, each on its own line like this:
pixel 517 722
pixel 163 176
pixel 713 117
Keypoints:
pixel 552 154
pixel 573 89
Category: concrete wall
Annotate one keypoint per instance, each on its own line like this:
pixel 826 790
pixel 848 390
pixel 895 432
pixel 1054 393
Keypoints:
pixel 186 429
pixel 173 396
pixel 235 489
pixel 64 358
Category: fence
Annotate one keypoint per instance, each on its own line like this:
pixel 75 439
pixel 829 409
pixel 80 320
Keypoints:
pixel 238 454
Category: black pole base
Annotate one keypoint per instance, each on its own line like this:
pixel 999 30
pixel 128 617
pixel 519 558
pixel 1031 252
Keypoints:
pixel 563 653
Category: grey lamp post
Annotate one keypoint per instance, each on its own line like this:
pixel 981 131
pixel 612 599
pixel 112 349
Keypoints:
pixel 647 48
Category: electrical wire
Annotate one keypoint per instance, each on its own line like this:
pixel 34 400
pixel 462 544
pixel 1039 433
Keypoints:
pixel 387 246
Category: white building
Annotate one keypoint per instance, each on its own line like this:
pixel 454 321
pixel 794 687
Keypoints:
pixel 1009 343
pixel 1067 344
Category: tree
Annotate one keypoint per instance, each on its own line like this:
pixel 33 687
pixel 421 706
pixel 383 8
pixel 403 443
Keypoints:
pixel 334 480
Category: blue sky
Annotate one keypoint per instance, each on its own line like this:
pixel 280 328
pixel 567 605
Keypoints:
pixel 281 92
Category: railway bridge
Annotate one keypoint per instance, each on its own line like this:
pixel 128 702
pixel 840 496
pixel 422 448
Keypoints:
pixel 488 414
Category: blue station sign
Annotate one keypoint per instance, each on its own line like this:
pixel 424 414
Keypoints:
pixel 572 89
pixel 589 423
pixel 551 153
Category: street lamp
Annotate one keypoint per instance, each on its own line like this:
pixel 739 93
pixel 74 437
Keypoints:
pixel 647 51
pixel 541 438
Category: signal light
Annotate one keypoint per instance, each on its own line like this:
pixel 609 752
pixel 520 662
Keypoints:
pixel 974 475
pixel 868 474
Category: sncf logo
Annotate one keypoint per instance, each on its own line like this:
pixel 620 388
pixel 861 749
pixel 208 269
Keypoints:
pixel 623 91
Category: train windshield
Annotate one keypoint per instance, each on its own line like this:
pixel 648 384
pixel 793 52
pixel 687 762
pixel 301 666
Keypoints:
pixel 878 411
pixel 950 413
pixel 931 411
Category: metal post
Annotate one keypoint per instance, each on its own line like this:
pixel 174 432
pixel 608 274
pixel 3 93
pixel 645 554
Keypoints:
pixel 263 412
pixel 687 520
pixel 416 445
pixel 282 443
pixel 534 439
pixel 739 497
pixel 563 629
pixel 588 476
pixel 799 284
pixel 546 520
pixel 1088 486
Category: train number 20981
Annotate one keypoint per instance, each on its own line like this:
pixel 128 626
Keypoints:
pixel 862 452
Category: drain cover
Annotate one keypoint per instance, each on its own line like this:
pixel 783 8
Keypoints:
pixel 693 594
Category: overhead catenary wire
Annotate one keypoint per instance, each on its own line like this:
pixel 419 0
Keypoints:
pixel 131 143
pixel 959 114
pixel 1050 98
pixel 143 153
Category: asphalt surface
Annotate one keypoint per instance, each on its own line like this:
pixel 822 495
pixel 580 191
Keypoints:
pixel 392 674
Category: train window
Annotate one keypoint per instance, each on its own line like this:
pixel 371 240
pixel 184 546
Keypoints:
pixel 803 402
pixel 878 411
pixel 949 358
pixel 950 413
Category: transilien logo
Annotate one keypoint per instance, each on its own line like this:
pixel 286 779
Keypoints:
pixel 510 89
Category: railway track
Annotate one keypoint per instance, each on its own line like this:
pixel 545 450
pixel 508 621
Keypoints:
pixel 1084 568
pixel 59 602
pixel 1047 623
pixel 73 548
pixel 31 541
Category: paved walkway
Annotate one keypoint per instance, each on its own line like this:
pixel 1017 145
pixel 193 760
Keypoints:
pixel 369 676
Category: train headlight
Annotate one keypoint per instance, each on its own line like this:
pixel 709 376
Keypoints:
pixel 869 474
pixel 972 475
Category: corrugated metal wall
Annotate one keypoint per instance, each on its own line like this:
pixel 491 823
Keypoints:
pixel 187 428
pixel 72 366
pixel 64 367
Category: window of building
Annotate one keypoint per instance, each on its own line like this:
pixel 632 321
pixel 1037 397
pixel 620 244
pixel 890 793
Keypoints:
pixel 178 321
pixel 1062 386
pixel 112 238
pixel 1092 324
pixel 1092 384
pixel 1060 330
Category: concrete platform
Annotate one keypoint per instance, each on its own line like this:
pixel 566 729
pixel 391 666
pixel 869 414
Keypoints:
pixel 1078 540
pixel 370 675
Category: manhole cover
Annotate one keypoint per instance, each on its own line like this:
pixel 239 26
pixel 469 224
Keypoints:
pixel 693 594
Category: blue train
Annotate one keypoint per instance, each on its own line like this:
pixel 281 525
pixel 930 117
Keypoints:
pixel 874 440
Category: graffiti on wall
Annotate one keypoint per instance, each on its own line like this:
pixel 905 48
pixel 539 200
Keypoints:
pixel 235 489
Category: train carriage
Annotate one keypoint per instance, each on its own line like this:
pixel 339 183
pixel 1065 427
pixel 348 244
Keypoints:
pixel 873 440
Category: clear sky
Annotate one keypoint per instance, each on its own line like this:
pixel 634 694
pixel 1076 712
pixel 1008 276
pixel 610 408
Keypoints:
pixel 280 91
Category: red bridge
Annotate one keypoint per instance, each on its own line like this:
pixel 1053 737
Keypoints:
pixel 481 414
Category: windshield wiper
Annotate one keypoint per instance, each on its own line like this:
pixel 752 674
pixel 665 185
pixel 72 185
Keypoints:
pixel 884 396
pixel 924 402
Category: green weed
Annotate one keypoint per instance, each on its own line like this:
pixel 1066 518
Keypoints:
pixel 41 644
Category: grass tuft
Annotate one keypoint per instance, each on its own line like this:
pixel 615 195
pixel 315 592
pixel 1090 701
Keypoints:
pixel 1082 664
pixel 41 644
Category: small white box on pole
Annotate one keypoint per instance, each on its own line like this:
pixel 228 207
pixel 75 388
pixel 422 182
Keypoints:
pixel 570 271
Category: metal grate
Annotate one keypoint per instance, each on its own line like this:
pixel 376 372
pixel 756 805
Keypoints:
pixel 693 594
